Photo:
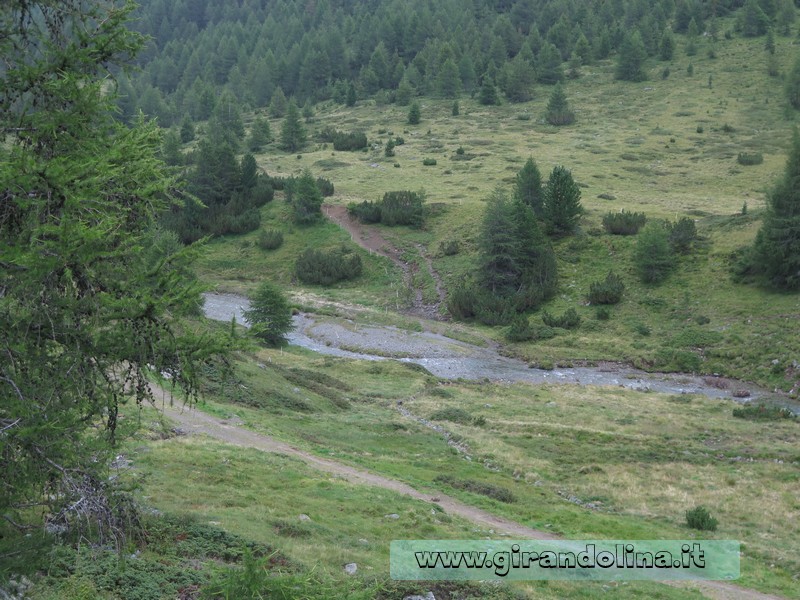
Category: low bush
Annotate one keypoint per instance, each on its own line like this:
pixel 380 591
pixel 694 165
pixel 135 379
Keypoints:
pixel 682 235
pixel 750 158
pixel 270 239
pixel 700 518
pixel 429 162
pixel 452 414
pixel 366 211
pixel 608 291
pixel 478 487
pixel 402 208
pixel 762 412
pixel 520 329
pixel 325 186
pixel 326 267
pixel 624 223
pixel 450 247
pixel 569 320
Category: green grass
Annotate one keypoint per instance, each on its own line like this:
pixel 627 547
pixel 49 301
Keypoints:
pixel 581 462
pixel 621 147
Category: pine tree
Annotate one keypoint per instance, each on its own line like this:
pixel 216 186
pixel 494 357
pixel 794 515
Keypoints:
pixel 260 134
pixel 404 93
pixel 752 19
pixel 488 94
pixel 414 114
pixel 293 134
pixel 351 94
pixel 562 207
pixel 776 253
pixel 278 104
pixel 538 277
pixel 558 111
pixel 306 199
pixel 187 130
pixel 519 77
pixel 90 306
pixel 500 247
pixel 667 46
pixel 653 254
pixel 269 316
pixel 548 65
pixel 456 109
pixel 449 81
pixel 632 55
pixel 528 186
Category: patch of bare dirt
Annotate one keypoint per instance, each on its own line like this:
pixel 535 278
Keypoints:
pixel 370 238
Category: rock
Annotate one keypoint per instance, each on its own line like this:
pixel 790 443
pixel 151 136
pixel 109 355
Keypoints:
pixel 304 517
pixel 363 541
pixel 428 596
pixel 392 516
pixel 351 568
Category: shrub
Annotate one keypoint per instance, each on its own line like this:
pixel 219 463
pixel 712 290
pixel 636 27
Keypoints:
pixel 270 239
pixel 682 234
pixel 492 310
pixel 461 301
pixel 762 412
pixel 603 314
pixel 569 320
pixel 623 223
pixel 429 162
pixel 449 247
pixel 388 151
pixel 452 414
pixel 325 267
pixel 478 487
pixel 608 291
pixel 366 211
pixel 325 187
pixel 402 208
pixel 750 158
pixel 700 518
pixel 349 141
pixel 519 330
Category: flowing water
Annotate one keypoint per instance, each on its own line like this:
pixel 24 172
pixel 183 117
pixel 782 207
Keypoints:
pixel 452 359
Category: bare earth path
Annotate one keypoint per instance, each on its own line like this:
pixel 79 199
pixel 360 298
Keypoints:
pixel 370 238
pixel 196 422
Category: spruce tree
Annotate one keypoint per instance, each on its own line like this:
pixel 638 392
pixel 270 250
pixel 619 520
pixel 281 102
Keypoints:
pixel 488 93
pixel 293 134
pixel 632 55
pixel 448 81
pixel 776 252
pixel 92 303
pixel 538 272
pixel 306 199
pixel 548 65
pixel 278 104
pixel 562 207
pixel 558 111
pixel 528 186
pixel 667 47
pixel 187 130
pixel 653 254
pixel 260 134
pixel 414 114
pixel 351 95
pixel 269 316
pixel 403 93
pixel 500 247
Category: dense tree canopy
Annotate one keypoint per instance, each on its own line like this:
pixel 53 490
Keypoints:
pixel 340 49
pixel 90 297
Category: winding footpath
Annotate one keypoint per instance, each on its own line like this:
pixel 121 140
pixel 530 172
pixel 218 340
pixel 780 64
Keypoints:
pixel 192 421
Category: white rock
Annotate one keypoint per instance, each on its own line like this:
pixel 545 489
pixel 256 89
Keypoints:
pixel 351 568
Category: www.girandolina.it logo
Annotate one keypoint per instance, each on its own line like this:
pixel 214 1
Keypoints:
pixel 598 560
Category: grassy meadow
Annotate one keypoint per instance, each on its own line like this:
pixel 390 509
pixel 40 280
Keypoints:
pixel 665 147
pixel 582 462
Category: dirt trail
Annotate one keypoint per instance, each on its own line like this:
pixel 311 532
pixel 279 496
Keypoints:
pixel 370 238
pixel 194 421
